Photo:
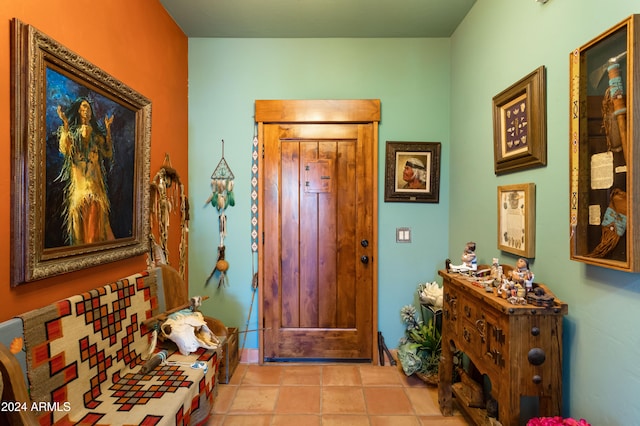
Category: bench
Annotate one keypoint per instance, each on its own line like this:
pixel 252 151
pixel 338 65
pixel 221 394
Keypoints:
pixel 80 359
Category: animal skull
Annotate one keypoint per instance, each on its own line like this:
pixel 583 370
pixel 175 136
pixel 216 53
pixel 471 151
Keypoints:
pixel 188 330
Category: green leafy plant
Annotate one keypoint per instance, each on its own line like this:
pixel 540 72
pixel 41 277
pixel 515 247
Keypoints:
pixel 420 348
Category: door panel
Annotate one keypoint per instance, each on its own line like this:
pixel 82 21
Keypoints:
pixel 318 203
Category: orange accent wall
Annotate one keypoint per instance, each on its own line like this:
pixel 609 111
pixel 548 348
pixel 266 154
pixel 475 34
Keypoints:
pixel 136 42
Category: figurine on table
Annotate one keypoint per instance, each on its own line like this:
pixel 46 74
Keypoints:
pixel 522 275
pixel 496 270
pixel 469 256
pixel 469 260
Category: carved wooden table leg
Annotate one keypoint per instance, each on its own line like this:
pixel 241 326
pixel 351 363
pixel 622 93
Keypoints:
pixel 445 372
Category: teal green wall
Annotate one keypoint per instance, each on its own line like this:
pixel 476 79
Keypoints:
pixel 430 90
pixel 499 42
pixel 226 76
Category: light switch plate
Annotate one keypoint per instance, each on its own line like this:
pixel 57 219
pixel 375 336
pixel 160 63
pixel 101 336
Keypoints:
pixel 403 235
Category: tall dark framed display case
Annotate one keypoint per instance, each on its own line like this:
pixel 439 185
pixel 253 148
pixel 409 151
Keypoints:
pixel 604 170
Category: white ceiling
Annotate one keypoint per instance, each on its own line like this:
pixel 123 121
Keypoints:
pixel 317 18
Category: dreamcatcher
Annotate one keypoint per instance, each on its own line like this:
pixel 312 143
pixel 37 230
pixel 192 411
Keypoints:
pixel 167 192
pixel 221 198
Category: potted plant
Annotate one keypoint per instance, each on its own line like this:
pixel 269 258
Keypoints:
pixel 419 350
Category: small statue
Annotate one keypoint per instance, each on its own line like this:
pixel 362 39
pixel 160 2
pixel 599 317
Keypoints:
pixel 496 271
pixel 469 260
pixel 522 275
pixel 504 289
pixel 469 256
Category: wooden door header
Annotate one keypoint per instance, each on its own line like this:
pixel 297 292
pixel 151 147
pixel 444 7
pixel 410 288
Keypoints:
pixel 318 111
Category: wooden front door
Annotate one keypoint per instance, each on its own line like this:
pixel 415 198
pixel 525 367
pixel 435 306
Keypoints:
pixel 318 216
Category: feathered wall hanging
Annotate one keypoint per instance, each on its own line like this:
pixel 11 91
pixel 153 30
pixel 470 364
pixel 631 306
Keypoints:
pixel 222 197
pixel 167 193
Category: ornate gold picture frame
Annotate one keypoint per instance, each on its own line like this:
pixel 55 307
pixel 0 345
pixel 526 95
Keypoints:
pixel 519 124
pixel 80 160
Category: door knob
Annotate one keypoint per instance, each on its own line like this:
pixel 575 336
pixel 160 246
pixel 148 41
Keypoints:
pixel 364 243
pixel 364 259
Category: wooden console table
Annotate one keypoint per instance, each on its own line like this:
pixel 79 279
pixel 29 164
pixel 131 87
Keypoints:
pixel 519 347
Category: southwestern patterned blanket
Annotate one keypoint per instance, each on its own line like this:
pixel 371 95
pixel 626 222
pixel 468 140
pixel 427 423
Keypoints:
pixel 84 355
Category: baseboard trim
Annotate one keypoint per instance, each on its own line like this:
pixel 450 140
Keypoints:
pixel 249 356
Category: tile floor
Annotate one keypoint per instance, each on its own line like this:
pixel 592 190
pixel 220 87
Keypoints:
pixel 327 394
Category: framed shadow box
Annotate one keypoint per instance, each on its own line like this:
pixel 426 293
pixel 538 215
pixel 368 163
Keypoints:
pixel 604 137
pixel 520 124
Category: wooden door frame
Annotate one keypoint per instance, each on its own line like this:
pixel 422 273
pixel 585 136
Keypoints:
pixel 319 112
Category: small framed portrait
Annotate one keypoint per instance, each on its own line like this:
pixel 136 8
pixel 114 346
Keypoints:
pixel 517 219
pixel 412 172
pixel 519 125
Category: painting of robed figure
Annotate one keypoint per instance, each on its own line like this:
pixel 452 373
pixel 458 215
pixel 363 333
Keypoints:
pixel 90 165
pixel 81 143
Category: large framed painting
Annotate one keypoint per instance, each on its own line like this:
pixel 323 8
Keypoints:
pixel 412 172
pixel 80 161
pixel 517 219
pixel 519 124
